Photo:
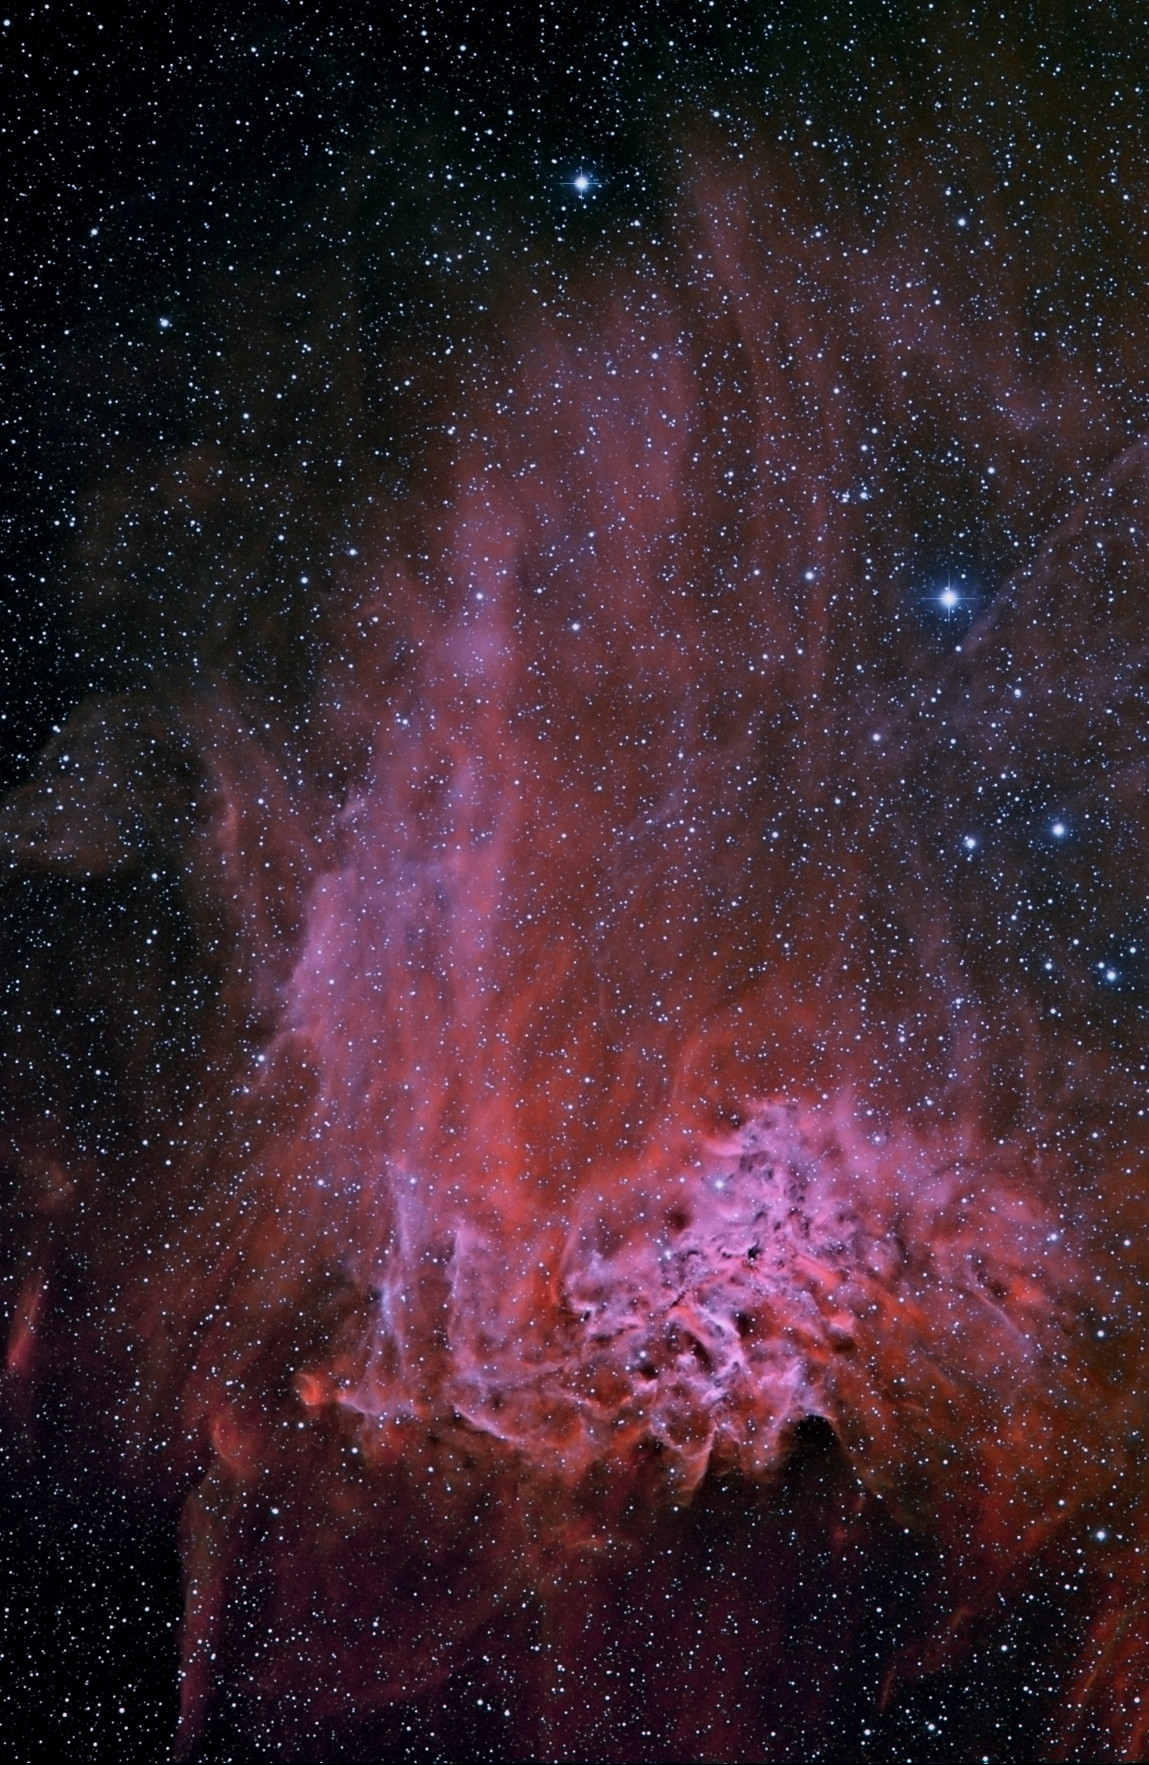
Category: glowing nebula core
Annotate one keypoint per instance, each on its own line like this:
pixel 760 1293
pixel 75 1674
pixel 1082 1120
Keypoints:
pixel 611 1148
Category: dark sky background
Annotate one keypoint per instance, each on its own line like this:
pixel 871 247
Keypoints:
pixel 156 154
pixel 191 195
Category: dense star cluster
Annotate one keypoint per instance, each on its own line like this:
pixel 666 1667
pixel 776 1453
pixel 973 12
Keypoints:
pixel 574 947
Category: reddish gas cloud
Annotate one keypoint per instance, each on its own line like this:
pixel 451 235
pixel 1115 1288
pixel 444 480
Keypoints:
pixel 640 1037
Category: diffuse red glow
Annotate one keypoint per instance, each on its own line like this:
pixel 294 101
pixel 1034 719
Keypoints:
pixel 623 1070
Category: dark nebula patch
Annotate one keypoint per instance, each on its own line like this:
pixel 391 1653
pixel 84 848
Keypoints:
pixel 575 948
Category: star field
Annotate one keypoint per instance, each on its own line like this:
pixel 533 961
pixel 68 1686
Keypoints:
pixel 574 944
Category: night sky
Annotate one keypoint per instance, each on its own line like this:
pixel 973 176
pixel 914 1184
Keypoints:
pixel 574 950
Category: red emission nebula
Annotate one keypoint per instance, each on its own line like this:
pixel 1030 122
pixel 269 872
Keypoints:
pixel 609 1182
